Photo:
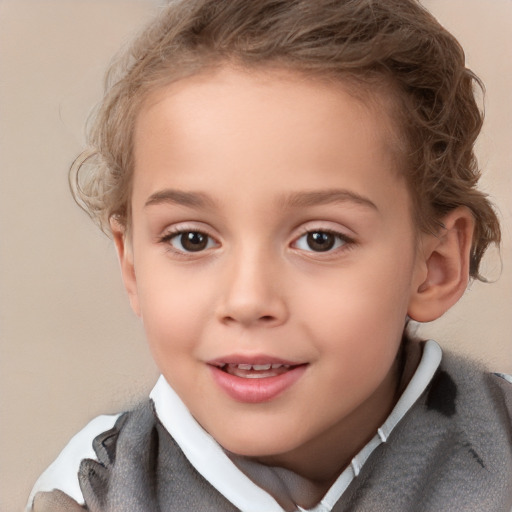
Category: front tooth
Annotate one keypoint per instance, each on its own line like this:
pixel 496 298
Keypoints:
pixel 261 366
pixel 245 366
pixel 276 365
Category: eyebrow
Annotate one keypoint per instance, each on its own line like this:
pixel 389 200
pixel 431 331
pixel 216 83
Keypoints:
pixel 293 200
pixel 321 197
pixel 178 197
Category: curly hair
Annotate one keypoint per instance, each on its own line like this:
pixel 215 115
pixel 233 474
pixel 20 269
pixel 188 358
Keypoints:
pixel 395 45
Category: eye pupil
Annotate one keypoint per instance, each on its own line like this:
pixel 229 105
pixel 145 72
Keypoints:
pixel 320 241
pixel 193 241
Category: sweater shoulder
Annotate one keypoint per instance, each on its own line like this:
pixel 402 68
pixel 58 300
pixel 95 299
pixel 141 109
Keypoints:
pixel 62 474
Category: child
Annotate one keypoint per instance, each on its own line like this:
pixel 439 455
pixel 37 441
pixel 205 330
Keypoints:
pixel 288 184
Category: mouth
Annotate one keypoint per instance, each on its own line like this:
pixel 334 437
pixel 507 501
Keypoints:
pixel 255 371
pixel 257 379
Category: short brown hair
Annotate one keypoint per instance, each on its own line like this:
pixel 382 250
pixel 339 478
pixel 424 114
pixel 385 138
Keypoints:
pixel 368 42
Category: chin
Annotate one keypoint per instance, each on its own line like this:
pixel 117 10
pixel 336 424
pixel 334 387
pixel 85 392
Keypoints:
pixel 260 445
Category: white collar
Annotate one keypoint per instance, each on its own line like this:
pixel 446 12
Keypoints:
pixel 209 459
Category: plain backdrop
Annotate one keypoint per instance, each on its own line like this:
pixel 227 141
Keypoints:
pixel 70 346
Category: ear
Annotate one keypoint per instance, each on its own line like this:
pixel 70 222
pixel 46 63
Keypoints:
pixel 442 272
pixel 125 255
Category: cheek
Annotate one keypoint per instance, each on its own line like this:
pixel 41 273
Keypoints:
pixel 359 315
pixel 365 298
pixel 173 309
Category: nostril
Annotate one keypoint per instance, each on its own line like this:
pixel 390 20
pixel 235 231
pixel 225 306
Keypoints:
pixel 267 318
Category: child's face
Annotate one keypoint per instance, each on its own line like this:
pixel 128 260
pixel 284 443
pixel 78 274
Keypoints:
pixel 270 227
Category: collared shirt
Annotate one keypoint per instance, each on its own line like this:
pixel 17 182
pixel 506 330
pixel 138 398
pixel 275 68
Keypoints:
pixel 212 462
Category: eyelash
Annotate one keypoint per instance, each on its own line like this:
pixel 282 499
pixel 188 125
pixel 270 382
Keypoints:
pixel 341 242
pixel 176 234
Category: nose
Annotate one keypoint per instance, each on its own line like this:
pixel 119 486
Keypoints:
pixel 252 294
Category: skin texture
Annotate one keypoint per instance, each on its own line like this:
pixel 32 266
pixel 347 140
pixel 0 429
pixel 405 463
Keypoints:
pixel 255 161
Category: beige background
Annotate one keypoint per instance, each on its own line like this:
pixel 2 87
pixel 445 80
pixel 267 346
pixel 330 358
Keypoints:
pixel 70 347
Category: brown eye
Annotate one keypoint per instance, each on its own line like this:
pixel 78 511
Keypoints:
pixel 320 241
pixel 191 241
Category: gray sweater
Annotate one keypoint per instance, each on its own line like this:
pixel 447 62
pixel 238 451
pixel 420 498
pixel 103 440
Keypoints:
pixel 452 451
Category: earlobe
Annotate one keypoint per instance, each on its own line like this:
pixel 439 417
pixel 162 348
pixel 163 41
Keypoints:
pixel 125 255
pixel 442 272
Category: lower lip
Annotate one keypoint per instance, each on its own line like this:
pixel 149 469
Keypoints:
pixel 256 390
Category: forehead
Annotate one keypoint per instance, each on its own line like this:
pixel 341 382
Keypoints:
pixel 277 127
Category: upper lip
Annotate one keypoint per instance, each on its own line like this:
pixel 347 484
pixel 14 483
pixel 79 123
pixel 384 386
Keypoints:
pixel 251 359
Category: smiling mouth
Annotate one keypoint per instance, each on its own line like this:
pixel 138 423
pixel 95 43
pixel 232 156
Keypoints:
pixel 255 371
pixel 255 379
